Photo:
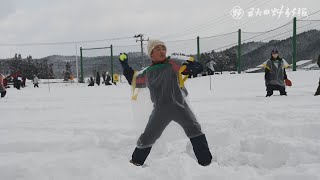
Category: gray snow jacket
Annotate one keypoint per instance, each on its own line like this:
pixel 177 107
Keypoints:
pixel 275 72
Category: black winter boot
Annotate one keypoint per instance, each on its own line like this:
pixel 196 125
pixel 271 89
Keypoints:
pixel 269 93
pixel 3 94
pixel 139 156
pixel 201 150
pixel 283 93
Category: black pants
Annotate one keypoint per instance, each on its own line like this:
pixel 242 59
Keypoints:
pixel 200 149
pixel 36 85
pixel 17 84
pixel 3 94
pixel 161 116
pixel 272 87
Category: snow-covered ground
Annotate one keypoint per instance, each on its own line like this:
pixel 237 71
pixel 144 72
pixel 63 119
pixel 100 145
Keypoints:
pixel 88 133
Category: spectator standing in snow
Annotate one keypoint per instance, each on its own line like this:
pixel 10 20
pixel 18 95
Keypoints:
pixel 108 79
pixel 275 74
pixel 103 77
pixel 2 86
pixel 17 82
pixel 98 78
pixel 35 81
pixel 210 68
pixel 23 83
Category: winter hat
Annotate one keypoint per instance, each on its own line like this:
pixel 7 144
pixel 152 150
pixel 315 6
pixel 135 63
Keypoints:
pixel 191 59
pixel 152 44
pixel 274 51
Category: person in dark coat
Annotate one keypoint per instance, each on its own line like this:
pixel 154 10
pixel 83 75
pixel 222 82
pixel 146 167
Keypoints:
pixel 318 90
pixel 275 74
pixel 17 82
pixel 193 68
pixel 3 91
pixel 35 81
pixel 168 97
pixel 23 83
pixel 108 79
pixel 91 82
pixel 98 78
pixel 103 77
pixel 210 68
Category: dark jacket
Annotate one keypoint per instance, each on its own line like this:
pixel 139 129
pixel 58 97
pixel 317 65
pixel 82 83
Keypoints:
pixel 193 68
pixel 275 75
pixel 98 78
pixel 91 82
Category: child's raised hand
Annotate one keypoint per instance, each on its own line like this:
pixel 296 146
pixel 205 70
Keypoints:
pixel 123 57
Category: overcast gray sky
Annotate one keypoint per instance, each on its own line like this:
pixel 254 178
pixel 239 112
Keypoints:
pixel 28 21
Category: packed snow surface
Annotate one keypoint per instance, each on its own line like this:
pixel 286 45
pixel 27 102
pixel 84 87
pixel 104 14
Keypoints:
pixel 72 131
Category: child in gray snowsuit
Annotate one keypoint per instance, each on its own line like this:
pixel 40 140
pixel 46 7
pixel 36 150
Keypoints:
pixel 169 104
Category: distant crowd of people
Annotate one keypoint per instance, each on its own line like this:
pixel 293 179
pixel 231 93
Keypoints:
pixel 276 78
pixel 18 81
pixel 105 77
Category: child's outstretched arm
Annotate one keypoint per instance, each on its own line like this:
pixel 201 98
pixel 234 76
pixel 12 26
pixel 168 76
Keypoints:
pixel 128 72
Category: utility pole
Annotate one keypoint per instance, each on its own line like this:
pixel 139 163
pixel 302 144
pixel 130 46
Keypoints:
pixel 141 41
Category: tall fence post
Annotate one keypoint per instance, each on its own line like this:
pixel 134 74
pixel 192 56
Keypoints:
pixel 294 45
pixel 239 52
pixel 81 66
pixel 198 48
pixel 111 47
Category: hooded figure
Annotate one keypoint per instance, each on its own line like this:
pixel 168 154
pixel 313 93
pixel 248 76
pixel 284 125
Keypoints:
pixel 168 98
pixel 2 86
pixel 108 79
pixel 210 67
pixel 35 81
pixel 103 77
pixel 318 90
pixel 17 82
pixel 275 74
pixel 91 82
pixel 98 78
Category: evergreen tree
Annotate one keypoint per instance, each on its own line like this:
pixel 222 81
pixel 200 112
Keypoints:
pixel 67 72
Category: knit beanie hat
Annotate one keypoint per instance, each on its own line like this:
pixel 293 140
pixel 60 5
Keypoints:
pixel 274 51
pixel 152 44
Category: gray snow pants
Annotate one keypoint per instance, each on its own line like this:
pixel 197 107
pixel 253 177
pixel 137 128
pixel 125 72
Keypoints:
pixel 160 118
